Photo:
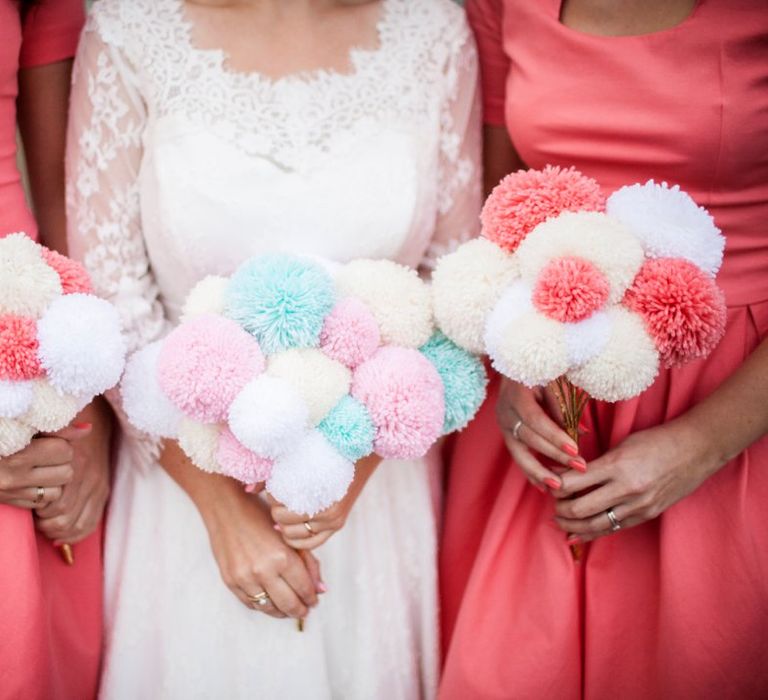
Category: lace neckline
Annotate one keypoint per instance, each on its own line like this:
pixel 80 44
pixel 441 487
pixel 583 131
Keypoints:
pixel 359 58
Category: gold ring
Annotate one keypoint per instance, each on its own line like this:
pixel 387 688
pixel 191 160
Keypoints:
pixel 309 528
pixel 516 429
pixel 40 495
pixel 260 598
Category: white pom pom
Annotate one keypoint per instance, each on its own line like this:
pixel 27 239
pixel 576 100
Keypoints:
pixel 199 442
pixel 15 397
pixel 14 436
pixel 586 339
pixel 50 409
pixel 466 285
pixel 627 365
pixel 398 298
pixel 312 477
pixel 318 379
pixel 593 236
pixel 27 283
pixel 669 224
pixel 81 347
pixel 145 404
pixel 206 297
pixel 268 416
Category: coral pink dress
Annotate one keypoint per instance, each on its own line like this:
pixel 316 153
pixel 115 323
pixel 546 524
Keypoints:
pixel 50 614
pixel 677 607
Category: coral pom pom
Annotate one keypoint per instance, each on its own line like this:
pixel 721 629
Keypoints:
pixel 349 428
pixel 464 380
pixel 683 309
pixel 15 397
pixel 206 297
pixel 239 462
pixel 200 442
pixel 570 289
pixel 14 436
pixel 404 395
pixel 204 364
pixel 50 410
pixel 18 348
pixel 27 284
pixel 350 333
pixel 311 477
pixel 281 300
pixel 523 200
pixel 72 275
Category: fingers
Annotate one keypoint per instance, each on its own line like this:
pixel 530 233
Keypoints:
pixel 41 452
pixel 574 482
pixel 298 577
pixel 599 524
pixel 535 441
pixel 311 542
pixel 285 598
pixel 313 567
pixel 75 431
pixel 46 477
pixel 247 598
pixel 28 497
pixel 590 504
pixel 537 473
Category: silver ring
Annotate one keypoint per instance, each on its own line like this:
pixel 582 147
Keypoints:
pixel 516 429
pixel 260 599
pixel 308 528
pixel 40 495
pixel 615 524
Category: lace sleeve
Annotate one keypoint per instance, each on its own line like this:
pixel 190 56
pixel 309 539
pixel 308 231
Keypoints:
pixel 460 169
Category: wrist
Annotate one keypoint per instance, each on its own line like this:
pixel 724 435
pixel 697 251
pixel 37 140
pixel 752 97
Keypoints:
pixel 708 451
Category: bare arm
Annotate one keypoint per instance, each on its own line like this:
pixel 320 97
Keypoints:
pixel 499 156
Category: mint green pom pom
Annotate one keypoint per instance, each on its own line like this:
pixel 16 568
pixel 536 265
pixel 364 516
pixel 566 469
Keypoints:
pixel 464 380
pixel 349 428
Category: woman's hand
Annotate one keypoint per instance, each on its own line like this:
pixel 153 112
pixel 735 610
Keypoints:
pixel 302 532
pixel 530 432
pixel 639 479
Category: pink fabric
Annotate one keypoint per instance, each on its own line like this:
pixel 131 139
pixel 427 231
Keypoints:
pixel 50 613
pixel 677 607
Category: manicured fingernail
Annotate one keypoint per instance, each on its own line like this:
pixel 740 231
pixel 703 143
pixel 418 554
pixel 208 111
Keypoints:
pixel 570 449
pixel 321 587
pixel 572 540
pixel 578 465
pixel 277 527
pixel 552 483
pixel 250 488
pixel 81 426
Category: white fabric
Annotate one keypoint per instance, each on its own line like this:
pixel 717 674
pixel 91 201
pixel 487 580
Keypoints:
pixel 179 167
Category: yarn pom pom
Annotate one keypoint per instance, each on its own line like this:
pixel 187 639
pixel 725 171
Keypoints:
pixel 200 443
pixel 404 395
pixel 18 348
pixel 203 365
pixel 72 275
pixel 526 198
pixel 464 380
pixel 281 300
pixel 350 333
pixel 570 289
pixel 319 380
pixel 627 365
pixel 466 284
pixel 144 402
pixel 349 428
pixel 397 297
pixel 14 436
pixel 669 224
pixel 312 477
pixel 268 416
pixel 81 347
pixel 27 283
pixel 15 397
pixel 50 410
pixel 587 339
pixel 239 462
pixel 514 303
pixel 683 309
pixel 206 297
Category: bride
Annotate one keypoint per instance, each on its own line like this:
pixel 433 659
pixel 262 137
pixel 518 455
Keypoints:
pixel 203 132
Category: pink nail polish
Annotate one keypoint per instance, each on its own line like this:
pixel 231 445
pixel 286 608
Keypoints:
pixel 577 465
pixel 572 540
pixel 82 426
pixel 321 587
pixel 570 449
pixel 554 484
pixel 277 527
pixel 250 488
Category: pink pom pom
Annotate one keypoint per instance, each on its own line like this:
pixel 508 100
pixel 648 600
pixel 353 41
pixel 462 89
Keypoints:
pixel 404 395
pixel 523 200
pixel 570 289
pixel 74 279
pixel 204 363
pixel 18 348
pixel 350 333
pixel 239 462
pixel 683 309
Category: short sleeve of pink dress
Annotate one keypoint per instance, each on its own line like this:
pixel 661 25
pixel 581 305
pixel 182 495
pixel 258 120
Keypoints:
pixel 677 607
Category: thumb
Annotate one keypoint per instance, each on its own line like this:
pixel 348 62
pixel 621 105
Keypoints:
pixel 313 567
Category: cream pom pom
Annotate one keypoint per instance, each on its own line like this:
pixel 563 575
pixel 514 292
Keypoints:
pixel 206 297
pixel 268 416
pixel 397 297
pixel 200 442
pixel 513 303
pixel 586 339
pixel 15 397
pixel 81 347
pixel 319 380
pixel 14 436
pixel 589 235
pixel 466 285
pixel 27 283
pixel 50 410
pixel 311 477
pixel 627 365
pixel 669 224
pixel 529 349
pixel 144 402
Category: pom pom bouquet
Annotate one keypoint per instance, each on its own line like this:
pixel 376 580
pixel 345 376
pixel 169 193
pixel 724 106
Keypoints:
pixel 587 295
pixel 291 370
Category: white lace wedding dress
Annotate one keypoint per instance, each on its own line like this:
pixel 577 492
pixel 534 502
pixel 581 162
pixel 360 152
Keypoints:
pixel 179 167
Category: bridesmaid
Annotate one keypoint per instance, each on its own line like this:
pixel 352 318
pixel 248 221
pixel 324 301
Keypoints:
pixel 50 613
pixel 675 604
